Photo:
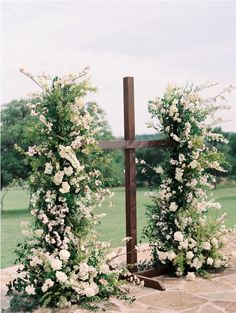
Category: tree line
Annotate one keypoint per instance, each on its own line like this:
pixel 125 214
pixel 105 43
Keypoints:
pixel 18 127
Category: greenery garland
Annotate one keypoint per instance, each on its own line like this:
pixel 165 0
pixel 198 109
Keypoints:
pixel 63 262
pixel 179 229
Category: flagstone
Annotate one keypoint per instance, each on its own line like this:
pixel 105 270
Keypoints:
pixel 176 300
pixel 209 308
pixel 225 296
pixel 205 285
pixel 229 306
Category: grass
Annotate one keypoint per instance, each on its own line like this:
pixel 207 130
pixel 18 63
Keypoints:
pixel 113 224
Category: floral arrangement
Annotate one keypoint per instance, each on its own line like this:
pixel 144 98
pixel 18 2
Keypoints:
pixel 63 262
pixel 180 231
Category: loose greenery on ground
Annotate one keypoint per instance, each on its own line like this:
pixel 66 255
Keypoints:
pixel 180 232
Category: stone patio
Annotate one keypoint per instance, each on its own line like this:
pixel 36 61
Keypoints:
pixel 214 295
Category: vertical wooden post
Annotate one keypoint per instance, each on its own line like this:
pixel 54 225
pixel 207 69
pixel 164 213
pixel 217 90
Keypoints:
pixel 130 171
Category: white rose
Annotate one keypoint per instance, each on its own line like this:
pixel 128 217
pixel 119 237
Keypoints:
pixel 30 290
pixel 47 284
pixel 91 290
pixel 173 207
pixel 190 276
pixel 65 187
pixel 171 255
pixel 38 232
pixel 56 264
pixel 64 255
pixel 58 177
pixel 189 255
pixel 61 276
pixel 162 255
pixel 193 164
pixel 83 271
pixel 217 263
pixel 178 236
pixel 158 170
pixel 68 170
pixel 184 244
pixel 104 269
pixel 178 174
pixel 210 261
pixel 214 241
pixel 206 245
pixel 48 168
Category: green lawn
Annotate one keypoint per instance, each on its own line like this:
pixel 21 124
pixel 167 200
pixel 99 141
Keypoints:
pixel 113 225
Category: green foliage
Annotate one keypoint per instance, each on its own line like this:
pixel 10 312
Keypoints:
pixel 179 229
pixel 17 127
pixel 63 262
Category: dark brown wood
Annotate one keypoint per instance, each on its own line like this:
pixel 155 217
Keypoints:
pixel 151 282
pixel 132 144
pixel 129 144
pixel 130 173
pixel 162 270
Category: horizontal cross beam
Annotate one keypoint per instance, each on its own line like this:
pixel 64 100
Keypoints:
pixel 133 144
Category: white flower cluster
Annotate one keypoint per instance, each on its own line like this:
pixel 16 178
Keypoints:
pixel 62 250
pixel 179 230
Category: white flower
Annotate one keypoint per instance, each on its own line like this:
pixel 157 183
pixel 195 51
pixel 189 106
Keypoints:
pixel 183 244
pixel 68 170
pixel 65 187
pixel 193 164
pixel 61 276
pixel 91 290
pixel 178 174
pixel 190 276
pixel 38 232
pixel 206 245
pixel 173 207
pixel 189 255
pixel 171 255
pixel 178 236
pixel 58 177
pixel 158 170
pixel 173 109
pixel 83 271
pixel 64 255
pixel 30 290
pixel 162 255
pixel 217 263
pixel 56 264
pixel 214 241
pixel 47 284
pixel 48 168
pixel 210 261
pixel 104 269
pixel 181 158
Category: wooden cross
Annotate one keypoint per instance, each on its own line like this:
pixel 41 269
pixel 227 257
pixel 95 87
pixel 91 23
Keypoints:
pixel 129 144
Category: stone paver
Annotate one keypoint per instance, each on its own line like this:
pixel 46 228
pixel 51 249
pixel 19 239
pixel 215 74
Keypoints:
pixel 214 295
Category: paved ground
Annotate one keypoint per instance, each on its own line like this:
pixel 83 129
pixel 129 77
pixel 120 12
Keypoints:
pixel 214 295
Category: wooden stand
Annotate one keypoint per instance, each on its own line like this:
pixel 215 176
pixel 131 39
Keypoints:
pixel 129 144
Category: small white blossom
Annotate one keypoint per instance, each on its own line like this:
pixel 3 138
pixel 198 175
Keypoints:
pixel 30 290
pixel 190 276
pixel 178 236
pixel 61 276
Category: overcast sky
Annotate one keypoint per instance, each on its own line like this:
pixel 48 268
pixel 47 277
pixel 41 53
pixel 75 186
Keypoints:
pixel 156 42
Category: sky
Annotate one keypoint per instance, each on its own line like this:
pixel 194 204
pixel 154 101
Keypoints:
pixel 156 42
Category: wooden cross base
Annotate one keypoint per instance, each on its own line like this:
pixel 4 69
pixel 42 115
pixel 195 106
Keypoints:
pixel 149 277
